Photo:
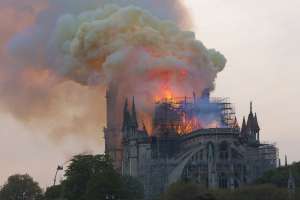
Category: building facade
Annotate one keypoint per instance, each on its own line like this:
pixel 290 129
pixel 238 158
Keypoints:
pixel 219 155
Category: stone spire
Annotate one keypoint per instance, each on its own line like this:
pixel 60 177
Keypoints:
pixel 144 128
pixel 126 116
pixel 256 126
pixel 252 127
pixel 244 127
pixel 279 162
pixel 250 120
pixel 235 123
pixel 134 118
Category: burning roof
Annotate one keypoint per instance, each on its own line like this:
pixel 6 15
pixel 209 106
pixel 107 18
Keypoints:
pixel 185 115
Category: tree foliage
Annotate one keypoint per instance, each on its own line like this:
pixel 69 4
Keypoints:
pixel 107 185
pixel 21 187
pixel 256 192
pixel 192 191
pixel 54 193
pixel 279 176
pixel 91 177
pixel 81 171
pixel 187 191
pixel 133 189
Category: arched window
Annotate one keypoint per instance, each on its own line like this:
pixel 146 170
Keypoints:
pixel 201 155
pixel 236 184
pixel 224 150
pixel 210 151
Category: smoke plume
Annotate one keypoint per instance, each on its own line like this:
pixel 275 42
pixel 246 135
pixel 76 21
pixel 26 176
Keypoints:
pixel 60 62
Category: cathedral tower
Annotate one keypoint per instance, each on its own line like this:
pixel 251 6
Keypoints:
pixel 251 131
pixel 113 129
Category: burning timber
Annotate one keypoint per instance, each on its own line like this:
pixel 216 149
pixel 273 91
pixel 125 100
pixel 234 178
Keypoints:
pixel 196 139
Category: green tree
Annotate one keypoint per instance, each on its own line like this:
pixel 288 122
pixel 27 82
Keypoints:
pixel 54 193
pixel 297 195
pixel 106 185
pixel 90 177
pixel 21 187
pixel 279 176
pixel 187 191
pixel 261 192
pixel 132 188
pixel 82 169
pixel 192 191
pixel 255 192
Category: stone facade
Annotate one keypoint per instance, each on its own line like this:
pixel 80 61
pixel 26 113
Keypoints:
pixel 225 157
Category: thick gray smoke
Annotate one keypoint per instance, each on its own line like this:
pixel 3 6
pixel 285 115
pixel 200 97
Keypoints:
pixel 72 50
pixel 33 46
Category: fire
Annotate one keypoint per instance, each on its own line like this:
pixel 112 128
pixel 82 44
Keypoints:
pixel 168 94
pixel 184 115
pixel 188 125
pixel 169 83
pixel 165 94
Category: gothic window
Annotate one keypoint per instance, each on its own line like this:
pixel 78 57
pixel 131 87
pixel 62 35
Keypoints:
pixel 196 157
pixel 210 151
pixel 224 152
pixel 236 184
pixel 201 155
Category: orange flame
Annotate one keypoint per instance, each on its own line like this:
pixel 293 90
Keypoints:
pixel 164 94
pixel 188 125
pixel 166 78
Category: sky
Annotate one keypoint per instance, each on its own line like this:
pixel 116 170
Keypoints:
pixel 260 40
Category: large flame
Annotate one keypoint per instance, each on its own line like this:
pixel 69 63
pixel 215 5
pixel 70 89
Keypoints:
pixel 168 80
pixel 185 115
pixel 164 94
pixel 189 125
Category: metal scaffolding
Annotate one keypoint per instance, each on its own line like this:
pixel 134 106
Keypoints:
pixel 185 114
